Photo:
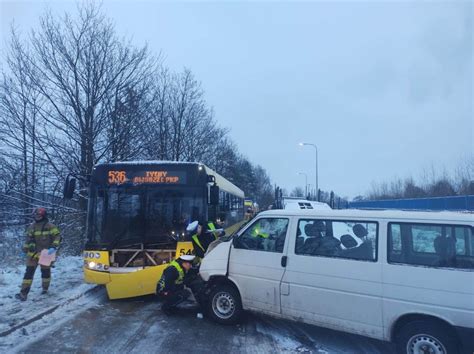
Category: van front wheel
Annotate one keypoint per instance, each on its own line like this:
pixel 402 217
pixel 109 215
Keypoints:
pixel 424 336
pixel 224 306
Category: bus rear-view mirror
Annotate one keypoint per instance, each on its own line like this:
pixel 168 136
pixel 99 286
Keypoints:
pixel 214 195
pixel 69 187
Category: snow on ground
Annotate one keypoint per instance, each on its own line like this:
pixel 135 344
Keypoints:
pixel 27 336
pixel 66 283
pixel 284 341
pixel 285 337
pixel 11 239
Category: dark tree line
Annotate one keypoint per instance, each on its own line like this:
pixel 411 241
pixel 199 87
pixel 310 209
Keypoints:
pixel 73 94
pixel 431 184
pixel 332 199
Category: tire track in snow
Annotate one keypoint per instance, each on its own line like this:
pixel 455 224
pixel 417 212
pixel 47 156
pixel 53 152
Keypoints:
pixel 47 312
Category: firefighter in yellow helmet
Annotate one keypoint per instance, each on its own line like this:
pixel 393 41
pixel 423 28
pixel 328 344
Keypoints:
pixel 40 235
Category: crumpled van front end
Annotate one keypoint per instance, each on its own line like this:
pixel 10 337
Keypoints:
pixel 223 303
pixel 215 263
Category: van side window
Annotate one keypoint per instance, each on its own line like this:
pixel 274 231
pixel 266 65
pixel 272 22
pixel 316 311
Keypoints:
pixel 266 234
pixel 396 239
pixel 334 238
pixel 433 245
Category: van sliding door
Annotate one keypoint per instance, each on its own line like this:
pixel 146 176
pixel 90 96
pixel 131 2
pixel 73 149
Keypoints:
pixel 333 277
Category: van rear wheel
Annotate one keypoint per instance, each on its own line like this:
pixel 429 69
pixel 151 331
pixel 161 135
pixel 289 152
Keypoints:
pixel 224 305
pixel 423 336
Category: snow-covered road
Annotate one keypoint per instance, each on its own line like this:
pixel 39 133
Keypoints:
pixel 138 326
pixel 67 284
pixel 78 318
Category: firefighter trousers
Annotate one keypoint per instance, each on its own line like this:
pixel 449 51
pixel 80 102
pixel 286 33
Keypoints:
pixel 31 265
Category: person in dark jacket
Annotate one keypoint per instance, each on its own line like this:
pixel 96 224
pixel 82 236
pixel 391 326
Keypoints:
pixel 201 238
pixel 217 227
pixel 40 235
pixel 171 285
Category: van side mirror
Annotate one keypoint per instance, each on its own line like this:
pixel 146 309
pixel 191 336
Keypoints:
pixel 236 242
pixel 69 187
pixel 214 195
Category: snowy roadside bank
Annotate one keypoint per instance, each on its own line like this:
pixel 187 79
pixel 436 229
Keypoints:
pixel 67 283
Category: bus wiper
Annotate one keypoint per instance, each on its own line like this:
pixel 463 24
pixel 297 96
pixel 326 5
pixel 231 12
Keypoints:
pixel 117 238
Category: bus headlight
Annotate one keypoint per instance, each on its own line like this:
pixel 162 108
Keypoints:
pixel 96 266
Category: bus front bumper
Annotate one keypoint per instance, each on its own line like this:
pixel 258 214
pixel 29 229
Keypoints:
pixel 125 285
pixel 96 277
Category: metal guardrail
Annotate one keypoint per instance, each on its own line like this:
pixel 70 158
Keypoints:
pixel 465 202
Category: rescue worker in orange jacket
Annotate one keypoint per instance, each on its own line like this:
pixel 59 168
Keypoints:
pixel 40 235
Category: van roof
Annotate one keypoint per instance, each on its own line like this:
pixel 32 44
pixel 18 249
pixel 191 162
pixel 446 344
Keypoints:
pixel 445 216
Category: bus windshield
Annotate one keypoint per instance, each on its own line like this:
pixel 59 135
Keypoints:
pixel 121 216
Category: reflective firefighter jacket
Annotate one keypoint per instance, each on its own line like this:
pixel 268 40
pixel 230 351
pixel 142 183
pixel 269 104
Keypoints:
pixel 39 236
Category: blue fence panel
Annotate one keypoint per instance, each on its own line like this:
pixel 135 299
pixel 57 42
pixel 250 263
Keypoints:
pixel 465 202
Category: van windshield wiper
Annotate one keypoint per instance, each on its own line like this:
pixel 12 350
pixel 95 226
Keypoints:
pixel 231 236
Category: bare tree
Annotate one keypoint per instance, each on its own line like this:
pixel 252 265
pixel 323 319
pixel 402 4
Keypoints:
pixel 464 176
pixel 411 190
pixel 75 94
pixel 82 71
pixel 158 124
pixel 19 105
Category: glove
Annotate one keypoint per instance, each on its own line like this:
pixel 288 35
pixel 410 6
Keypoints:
pixel 22 254
pixel 51 250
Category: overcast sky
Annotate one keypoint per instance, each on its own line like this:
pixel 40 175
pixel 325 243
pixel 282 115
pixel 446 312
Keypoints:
pixel 385 89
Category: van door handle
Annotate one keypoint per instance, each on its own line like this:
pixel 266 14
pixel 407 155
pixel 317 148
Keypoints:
pixel 284 260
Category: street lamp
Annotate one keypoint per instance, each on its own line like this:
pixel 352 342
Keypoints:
pixel 305 184
pixel 316 150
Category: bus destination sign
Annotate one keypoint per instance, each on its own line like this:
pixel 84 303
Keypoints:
pixel 146 177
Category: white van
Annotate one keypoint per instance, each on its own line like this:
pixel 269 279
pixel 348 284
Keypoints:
pixel 290 203
pixel 401 276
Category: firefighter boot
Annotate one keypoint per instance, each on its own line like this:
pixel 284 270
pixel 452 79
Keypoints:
pixel 21 296
pixel 45 279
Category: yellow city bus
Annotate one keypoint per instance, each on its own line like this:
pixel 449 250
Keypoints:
pixel 137 216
